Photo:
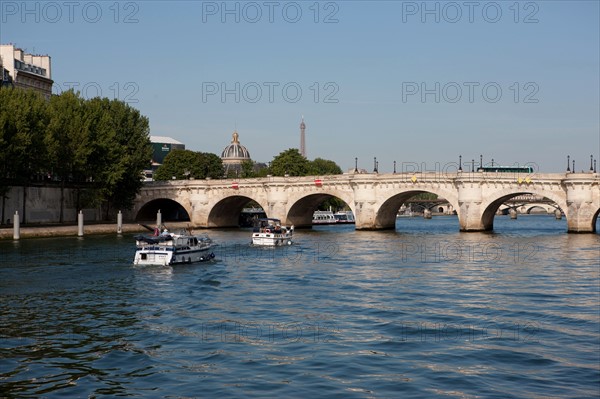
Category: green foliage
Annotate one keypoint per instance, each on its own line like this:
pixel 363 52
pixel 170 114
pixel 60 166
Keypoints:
pixel 262 172
pixel 423 196
pixel 22 123
pixel 333 203
pixel 292 163
pixel 126 156
pixel 99 146
pixel 248 169
pixel 190 164
pixel 67 135
pixel 321 166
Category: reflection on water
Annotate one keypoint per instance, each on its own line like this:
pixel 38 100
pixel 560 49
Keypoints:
pixel 422 311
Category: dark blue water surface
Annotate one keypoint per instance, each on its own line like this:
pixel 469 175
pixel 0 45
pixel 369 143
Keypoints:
pixel 420 312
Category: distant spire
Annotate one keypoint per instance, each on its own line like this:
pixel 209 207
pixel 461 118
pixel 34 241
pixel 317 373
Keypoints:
pixel 302 140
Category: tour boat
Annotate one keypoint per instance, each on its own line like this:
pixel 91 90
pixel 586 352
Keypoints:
pixel 270 232
pixel 323 217
pixel 172 248
pixel 328 217
pixel 344 217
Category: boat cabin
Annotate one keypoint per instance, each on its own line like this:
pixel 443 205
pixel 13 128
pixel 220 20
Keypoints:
pixel 267 225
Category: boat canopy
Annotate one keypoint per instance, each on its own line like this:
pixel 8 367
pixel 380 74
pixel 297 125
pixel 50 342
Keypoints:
pixel 152 239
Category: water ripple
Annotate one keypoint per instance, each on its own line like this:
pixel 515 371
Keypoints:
pixel 412 313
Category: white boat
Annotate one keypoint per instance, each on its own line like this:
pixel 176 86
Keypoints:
pixel 404 211
pixel 172 248
pixel 323 217
pixel 270 232
pixel 344 217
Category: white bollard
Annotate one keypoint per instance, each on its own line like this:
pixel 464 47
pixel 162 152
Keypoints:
pixel 159 219
pixel 16 226
pixel 119 223
pixel 80 224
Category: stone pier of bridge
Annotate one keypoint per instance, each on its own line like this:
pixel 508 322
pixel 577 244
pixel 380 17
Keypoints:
pixel 373 198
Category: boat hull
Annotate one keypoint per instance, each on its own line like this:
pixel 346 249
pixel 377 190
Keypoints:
pixel 167 258
pixel 270 239
pixel 172 249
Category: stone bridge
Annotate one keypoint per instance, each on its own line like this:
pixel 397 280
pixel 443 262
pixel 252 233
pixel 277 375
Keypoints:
pixel 374 198
pixel 529 203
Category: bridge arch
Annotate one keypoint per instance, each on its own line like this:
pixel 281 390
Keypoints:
pixel 170 210
pixel 595 220
pixel 495 200
pixel 301 211
pixel 226 212
pixel 535 208
pixel 385 217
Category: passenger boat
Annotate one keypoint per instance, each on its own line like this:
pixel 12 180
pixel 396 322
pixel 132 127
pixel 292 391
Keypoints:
pixel 324 217
pixel 270 232
pixel 344 217
pixel 172 248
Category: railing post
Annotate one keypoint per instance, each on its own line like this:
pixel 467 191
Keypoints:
pixel 16 226
pixel 80 224
pixel 119 223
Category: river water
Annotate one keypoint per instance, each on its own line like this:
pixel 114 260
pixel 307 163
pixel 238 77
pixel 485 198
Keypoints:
pixel 421 312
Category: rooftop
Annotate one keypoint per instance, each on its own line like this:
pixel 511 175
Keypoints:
pixel 163 139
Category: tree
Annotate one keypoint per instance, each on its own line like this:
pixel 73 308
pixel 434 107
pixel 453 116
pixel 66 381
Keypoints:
pixel 185 164
pixel 248 169
pixel 66 140
pixel 213 165
pixel 290 162
pixel 333 203
pixel 322 166
pixel 423 196
pixel 23 116
pixel 100 141
pixel 67 136
pixel 98 146
pixel 126 156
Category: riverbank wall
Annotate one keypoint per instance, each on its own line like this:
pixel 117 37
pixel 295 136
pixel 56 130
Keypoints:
pixel 6 233
pixel 41 204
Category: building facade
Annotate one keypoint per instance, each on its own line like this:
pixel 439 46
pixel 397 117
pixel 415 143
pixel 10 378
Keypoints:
pixel 161 147
pixel 24 70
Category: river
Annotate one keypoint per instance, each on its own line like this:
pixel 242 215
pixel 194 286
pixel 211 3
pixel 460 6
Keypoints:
pixel 420 312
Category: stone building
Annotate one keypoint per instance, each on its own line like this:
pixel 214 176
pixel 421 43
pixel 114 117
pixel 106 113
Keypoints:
pixel 234 155
pixel 24 70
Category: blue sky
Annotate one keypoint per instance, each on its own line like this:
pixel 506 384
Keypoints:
pixel 414 82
